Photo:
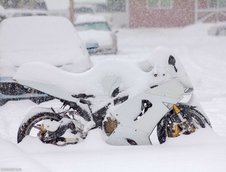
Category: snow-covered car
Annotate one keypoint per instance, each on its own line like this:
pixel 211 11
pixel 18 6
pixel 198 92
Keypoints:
pixel 96 33
pixel 37 38
pixel 218 30
pixel 23 12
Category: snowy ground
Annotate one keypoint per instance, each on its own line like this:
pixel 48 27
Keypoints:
pixel 204 58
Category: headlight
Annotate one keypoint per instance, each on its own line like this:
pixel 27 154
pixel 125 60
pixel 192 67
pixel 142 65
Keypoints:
pixel 110 125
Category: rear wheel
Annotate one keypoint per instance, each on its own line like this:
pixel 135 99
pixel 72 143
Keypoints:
pixel 172 126
pixel 33 123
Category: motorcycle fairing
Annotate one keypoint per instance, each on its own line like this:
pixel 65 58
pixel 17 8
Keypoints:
pixel 139 129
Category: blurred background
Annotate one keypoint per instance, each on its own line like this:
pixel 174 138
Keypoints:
pixel 124 13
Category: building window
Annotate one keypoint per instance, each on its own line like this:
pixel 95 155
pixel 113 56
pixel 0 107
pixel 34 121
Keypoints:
pixel 222 3
pixel 117 5
pixel 216 3
pixel 212 3
pixel 160 3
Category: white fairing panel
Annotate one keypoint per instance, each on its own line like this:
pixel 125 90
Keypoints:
pixel 138 128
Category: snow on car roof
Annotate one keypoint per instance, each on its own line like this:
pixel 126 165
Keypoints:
pixel 89 18
pixel 41 38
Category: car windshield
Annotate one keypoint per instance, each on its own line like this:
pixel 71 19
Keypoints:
pixel 93 26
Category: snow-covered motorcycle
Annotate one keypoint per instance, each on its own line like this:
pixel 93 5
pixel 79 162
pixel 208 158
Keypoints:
pixel 127 100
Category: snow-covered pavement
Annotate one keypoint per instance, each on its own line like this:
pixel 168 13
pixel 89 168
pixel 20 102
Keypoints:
pixel 204 58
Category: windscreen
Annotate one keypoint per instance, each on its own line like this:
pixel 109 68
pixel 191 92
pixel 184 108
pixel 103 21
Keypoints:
pixel 93 26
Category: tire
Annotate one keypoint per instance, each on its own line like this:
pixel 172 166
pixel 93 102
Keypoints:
pixel 2 102
pixel 26 126
pixel 192 116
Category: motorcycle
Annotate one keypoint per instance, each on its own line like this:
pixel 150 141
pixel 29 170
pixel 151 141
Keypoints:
pixel 126 100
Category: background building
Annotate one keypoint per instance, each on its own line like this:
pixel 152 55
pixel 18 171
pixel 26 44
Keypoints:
pixel 24 4
pixel 133 13
pixel 175 13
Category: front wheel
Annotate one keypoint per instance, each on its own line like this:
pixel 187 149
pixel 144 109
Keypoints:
pixel 174 124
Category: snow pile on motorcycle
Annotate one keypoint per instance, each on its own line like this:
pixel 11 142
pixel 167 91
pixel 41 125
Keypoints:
pixel 127 100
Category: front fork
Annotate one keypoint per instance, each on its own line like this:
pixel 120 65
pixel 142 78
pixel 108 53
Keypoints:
pixel 180 126
pixel 73 126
